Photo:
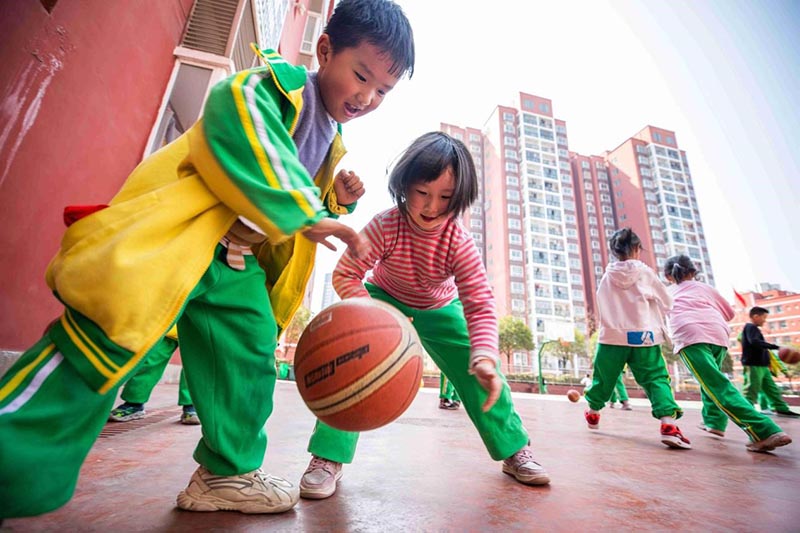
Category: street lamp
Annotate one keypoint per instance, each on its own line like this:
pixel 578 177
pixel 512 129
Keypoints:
pixel 542 384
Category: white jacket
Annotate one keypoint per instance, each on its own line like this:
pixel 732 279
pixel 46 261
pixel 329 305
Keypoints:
pixel 633 303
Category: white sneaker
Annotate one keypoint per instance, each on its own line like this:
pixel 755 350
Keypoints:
pixel 770 443
pixel 524 469
pixel 254 492
pixel 717 432
pixel 320 478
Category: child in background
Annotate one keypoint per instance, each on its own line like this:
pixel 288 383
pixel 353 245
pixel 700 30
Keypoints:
pixel 448 396
pixel 620 393
pixel 137 390
pixel 756 362
pixel 699 326
pixel 217 231
pixel 425 263
pixel 632 302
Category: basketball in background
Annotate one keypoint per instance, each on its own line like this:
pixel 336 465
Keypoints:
pixel 358 364
pixel 788 355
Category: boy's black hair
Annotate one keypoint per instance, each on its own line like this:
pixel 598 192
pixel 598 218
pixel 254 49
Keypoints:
pixel 679 267
pixel 425 160
pixel 623 243
pixel 381 23
pixel 755 311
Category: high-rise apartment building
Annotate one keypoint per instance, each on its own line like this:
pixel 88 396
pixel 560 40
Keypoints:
pixel 526 223
pixel 596 223
pixel 545 214
pixel 653 193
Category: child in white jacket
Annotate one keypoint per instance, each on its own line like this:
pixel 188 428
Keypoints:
pixel 632 304
pixel 700 333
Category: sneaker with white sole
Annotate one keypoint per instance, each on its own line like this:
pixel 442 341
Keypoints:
pixel 717 432
pixel 126 412
pixel 320 478
pixel 592 419
pixel 671 436
pixel 189 416
pixel 626 406
pixel 524 469
pixel 254 492
pixel 775 440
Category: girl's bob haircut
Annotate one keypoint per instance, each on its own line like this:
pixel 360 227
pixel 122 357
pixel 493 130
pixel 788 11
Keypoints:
pixel 425 160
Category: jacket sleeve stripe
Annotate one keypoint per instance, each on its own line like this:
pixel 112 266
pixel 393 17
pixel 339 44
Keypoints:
pixel 263 149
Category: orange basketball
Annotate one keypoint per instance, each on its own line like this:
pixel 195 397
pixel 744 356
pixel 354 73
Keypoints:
pixel 358 364
pixel 789 355
pixel 573 395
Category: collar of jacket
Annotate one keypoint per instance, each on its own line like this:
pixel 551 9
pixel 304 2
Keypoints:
pixel 290 80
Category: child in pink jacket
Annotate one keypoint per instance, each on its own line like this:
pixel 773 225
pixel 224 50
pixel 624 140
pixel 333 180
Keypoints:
pixel 699 326
pixel 633 302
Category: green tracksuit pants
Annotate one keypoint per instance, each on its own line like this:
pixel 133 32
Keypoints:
pixel 50 417
pixel 619 393
pixel 446 389
pixel 758 379
pixel 649 370
pixel 444 335
pixel 141 385
pixel 721 399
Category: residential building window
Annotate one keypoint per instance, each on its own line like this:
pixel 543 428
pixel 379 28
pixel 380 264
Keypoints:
pixel 515 255
pixel 514 223
pixel 475 223
pixel 515 238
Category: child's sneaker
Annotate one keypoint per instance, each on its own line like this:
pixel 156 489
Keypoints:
pixel 671 436
pixel 593 419
pixel 717 432
pixel 319 480
pixel 788 414
pixel 456 405
pixel 775 440
pixel 126 412
pixel 626 406
pixel 254 492
pixel 524 469
pixel 611 405
pixel 189 416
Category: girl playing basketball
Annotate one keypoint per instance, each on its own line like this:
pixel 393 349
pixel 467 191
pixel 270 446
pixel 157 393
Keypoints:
pixel 425 263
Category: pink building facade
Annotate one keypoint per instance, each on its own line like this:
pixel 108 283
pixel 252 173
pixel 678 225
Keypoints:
pixel 87 90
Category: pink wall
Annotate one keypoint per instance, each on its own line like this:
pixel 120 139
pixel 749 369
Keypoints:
pixel 80 89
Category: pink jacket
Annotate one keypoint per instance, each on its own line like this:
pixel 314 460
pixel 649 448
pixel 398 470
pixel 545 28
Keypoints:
pixel 699 315
pixel 633 303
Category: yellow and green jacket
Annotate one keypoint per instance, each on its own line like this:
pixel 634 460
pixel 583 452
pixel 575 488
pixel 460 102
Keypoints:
pixel 124 273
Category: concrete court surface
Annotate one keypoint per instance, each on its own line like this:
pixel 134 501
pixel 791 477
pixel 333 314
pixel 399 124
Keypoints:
pixel 429 471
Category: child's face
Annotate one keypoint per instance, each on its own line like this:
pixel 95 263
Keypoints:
pixel 353 81
pixel 427 203
pixel 759 320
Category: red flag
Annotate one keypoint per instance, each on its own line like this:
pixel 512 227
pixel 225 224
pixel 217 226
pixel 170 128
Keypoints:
pixel 739 298
pixel 73 213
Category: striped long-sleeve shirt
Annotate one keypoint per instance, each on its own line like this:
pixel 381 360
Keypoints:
pixel 425 270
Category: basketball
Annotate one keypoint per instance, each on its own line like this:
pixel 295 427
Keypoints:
pixel 573 395
pixel 789 355
pixel 358 364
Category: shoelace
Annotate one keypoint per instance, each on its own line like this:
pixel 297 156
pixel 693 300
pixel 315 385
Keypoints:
pixel 523 456
pixel 324 464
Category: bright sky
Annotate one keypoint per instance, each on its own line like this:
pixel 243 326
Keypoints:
pixel 724 75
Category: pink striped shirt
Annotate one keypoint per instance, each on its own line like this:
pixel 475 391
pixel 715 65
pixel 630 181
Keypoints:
pixel 425 270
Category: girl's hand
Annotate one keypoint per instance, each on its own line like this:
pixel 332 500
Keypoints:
pixel 348 187
pixel 327 227
pixel 485 372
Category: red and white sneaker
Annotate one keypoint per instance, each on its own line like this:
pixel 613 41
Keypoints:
pixel 671 436
pixel 593 419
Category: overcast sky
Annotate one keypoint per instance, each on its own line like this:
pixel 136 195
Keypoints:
pixel 724 75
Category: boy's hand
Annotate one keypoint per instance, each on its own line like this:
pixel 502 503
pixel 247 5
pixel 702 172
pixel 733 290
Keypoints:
pixel 348 187
pixel 327 227
pixel 486 373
